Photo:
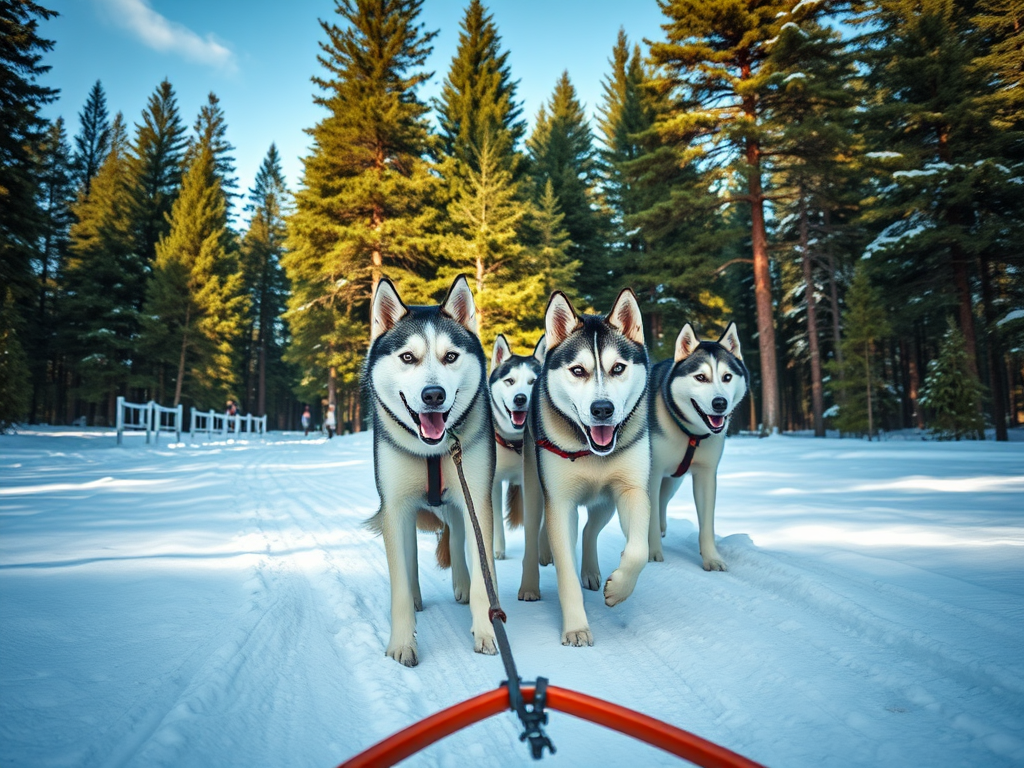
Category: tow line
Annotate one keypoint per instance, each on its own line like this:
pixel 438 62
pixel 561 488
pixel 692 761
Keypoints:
pixel 515 695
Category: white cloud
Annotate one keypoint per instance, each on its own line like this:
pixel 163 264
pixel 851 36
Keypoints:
pixel 161 34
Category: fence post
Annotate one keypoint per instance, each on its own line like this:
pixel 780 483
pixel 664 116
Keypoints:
pixel 148 415
pixel 120 418
pixel 192 425
pixel 177 423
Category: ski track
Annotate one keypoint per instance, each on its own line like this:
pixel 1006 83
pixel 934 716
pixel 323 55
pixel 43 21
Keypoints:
pixel 797 656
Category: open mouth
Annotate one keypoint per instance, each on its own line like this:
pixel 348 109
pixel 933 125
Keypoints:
pixel 518 418
pixel 715 423
pixel 431 423
pixel 601 437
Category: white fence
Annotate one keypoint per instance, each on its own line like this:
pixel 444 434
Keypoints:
pixel 150 417
pixel 213 424
pixel 155 419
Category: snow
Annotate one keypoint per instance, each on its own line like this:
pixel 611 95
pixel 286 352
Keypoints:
pixel 884 155
pixel 795 76
pixel 221 604
pixel 1014 314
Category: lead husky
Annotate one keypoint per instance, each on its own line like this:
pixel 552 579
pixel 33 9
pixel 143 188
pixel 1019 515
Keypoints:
pixel 691 399
pixel 511 383
pixel 587 444
pixel 426 374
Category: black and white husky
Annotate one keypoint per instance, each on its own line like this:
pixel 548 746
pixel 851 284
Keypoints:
pixel 426 375
pixel 587 444
pixel 692 397
pixel 511 383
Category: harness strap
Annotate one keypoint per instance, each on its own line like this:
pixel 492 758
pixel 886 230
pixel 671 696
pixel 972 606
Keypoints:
pixel 688 458
pixel 435 483
pixel 513 445
pixel 547 445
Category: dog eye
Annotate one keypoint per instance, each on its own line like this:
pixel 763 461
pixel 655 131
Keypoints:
pixel 578 371
pixel 727 378
pixel 509 382
pixel 701 377
pixel 407 357
pixel 451 357
pixel 618 368
pixel 530 382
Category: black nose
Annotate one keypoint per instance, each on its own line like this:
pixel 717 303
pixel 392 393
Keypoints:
pixel 602 409
pixel 519 400
pixel 719 404
pixel 433 397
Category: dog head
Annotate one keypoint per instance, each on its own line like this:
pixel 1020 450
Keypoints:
pixel 511 382
pixel 708 379
pixel 596 367
pixel 426 363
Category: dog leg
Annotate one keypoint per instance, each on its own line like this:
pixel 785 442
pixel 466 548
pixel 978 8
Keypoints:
pixel 634 505
pixel 497 504
pixel 460 573
pixel 533 511
pixel 669 486
pixel 705 487
pixel 544 545
pixel 484 640
pixel 413 554
pixel 575 628
pixel 654 530
pixel 399 531
pixel 598 515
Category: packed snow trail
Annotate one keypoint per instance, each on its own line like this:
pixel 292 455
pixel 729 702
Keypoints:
pixel 222 604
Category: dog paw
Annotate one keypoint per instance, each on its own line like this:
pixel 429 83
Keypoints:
pixel 591 580
pixel 545 559
pixel 417 603
pixel 404 654
pixel 485 642
pixel 529 595
pixel 499 554
pixel 655 556
pixel 617 589
pixel 461 593
pixel 578 638
pixel 715 564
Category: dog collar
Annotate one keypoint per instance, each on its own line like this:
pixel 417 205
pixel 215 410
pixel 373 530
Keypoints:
pixel 435 483
pixel 514 445
pixel 547 445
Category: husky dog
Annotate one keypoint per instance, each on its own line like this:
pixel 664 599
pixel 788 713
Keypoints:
pixel 587 444
pixel 691 400
pixel 426 375
pixel 511 383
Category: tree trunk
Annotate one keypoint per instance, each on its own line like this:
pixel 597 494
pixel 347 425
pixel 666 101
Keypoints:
pixel 837 335
pixel 479 294
pixel 817 396
pixel 357 422
pixel 181 359
pixel 993 352
pixel 867 375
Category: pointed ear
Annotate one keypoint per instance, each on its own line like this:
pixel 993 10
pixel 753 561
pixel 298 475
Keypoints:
pixel 625 316
pixel 501 352
pixel 731 340
pixel 686 342
pixel 459 304
pixel 541 349
pixel 560 320
pixel 388 309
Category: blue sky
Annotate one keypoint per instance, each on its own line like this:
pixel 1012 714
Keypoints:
pixel 258 56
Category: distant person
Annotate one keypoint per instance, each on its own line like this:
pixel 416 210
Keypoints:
pixel 330 422
pixel 232 409
pixel 307 420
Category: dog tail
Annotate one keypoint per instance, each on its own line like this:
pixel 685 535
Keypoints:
pixel 428 521
pixel 443 553
pixel 514 506
pixel 375 524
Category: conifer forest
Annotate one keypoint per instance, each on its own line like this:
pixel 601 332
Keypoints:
pixel 844 180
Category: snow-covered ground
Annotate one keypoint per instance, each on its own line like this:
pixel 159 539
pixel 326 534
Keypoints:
pixel 221 605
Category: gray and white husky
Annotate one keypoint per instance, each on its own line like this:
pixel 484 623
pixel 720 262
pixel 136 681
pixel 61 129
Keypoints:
pixel 587 444
pixel 692 398
pixel 426 375
pixel 511 383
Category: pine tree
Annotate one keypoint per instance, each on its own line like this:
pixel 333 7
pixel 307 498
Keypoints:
pixel 194 300
pixel 15 384
pixel 951 393
pixel 103 280
pixel 210 129
pixel 93 141
pixel 265 281
pixel 562 152
pixel 368 198
pixel 157 155
pixel 860 388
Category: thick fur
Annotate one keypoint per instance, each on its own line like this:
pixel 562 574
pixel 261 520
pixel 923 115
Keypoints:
pixel 590 397
pixel 426 377
pixel 510 386
pixel 682 400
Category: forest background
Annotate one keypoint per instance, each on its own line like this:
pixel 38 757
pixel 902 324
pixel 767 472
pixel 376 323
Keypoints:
pixel 844 180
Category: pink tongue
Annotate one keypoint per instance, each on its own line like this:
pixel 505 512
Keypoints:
pixel 716 421
pixel 602 435
pixel 432 425
pixel 518 418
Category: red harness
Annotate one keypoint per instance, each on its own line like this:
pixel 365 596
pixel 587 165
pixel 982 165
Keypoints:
pixel 512 445
pixel 688 458
pixel 547 445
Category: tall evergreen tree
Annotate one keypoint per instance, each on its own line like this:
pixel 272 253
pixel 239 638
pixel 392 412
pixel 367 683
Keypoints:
pixel 157 156
pixel 93 140
pixel 15 381
pixel 265 281
pixel 103 280
pixel 210 129
pixel 951 393
pixel 367 199
pixel 195 304
pixel 562 151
